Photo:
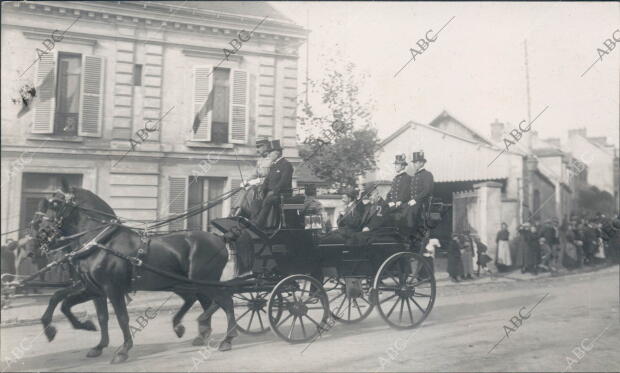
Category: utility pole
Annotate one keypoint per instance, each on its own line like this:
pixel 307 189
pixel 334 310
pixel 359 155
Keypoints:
pixel 527 92
pixel 528 190
pixel 307 49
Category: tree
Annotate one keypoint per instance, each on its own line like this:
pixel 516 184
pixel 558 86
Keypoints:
pixel 340 142
pixel 592 200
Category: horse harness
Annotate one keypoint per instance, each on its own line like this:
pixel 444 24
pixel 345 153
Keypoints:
pixel 109 229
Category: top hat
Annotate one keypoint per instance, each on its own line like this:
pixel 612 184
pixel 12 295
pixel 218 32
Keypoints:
pixel 400 159
pixel 262 142
pixel 418 157
pixel 275 145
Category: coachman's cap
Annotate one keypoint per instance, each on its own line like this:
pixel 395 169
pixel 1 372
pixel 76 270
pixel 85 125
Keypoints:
pixel 400 159
pixel 262 142
pixel 275 145
pixel 418 157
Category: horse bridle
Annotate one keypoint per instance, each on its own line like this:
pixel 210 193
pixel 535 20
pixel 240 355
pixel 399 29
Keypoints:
pixel 60 203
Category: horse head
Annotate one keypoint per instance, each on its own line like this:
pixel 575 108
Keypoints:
pixel 70 210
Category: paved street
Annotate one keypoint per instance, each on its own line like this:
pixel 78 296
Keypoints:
pixel 466 323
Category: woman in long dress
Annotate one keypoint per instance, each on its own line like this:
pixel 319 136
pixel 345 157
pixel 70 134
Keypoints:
pixel 502 239
pixel 455 264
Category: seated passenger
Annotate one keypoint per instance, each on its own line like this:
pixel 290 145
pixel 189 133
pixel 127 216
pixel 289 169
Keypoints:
pixel 349 219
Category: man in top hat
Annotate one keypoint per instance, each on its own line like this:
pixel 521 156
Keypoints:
pixel 421 189
pixel 279 181
pixel 400 192
pixel 249 199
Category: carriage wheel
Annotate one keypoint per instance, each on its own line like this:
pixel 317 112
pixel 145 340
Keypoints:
pixel 253 316
pixel 404 290
pixel 298 309
pixel 348 305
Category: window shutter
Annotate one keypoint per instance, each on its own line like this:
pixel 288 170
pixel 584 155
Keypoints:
pixel 239 114
pixel 45 104
pixel 91 99
pixel 202 107
pixel 234 184
pixel 177 201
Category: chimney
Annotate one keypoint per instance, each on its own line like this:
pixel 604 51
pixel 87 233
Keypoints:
pixel 497 131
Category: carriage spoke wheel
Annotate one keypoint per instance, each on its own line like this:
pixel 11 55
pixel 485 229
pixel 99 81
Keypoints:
pixel 348 304
pixel 298 309
pixel 252 312
pixel 404 290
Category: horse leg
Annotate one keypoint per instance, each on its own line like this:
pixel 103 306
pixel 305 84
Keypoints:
pixel 72 299
pixel 204 320
pixel 188 300
pixel 117 298
pixel 46 319
pixel 101 304
pixel 226 302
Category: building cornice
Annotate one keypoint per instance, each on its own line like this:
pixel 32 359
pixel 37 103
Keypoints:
pixel 198 21
pixel 193 50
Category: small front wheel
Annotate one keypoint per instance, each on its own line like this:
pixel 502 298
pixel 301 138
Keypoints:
pixel 298 309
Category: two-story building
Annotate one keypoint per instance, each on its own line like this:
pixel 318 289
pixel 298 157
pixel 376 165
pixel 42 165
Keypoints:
pixel 140 103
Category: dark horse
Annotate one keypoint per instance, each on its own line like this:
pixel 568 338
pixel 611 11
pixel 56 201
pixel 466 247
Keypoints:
pixel 106 272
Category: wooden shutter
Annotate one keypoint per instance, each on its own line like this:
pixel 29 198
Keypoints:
pixel 177 201
pixel 45 103
pixel 234 184
pixel 91 99
pixel 203 84
pixel 239 115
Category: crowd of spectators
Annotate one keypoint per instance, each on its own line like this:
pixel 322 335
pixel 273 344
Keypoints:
pixel 538 247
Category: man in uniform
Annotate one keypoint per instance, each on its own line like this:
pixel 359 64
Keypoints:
pixel 421 190
pixel 279 182
pixel 400 192
pixel 248 202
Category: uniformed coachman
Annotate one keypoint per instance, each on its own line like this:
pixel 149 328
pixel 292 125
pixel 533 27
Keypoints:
pixel 422 183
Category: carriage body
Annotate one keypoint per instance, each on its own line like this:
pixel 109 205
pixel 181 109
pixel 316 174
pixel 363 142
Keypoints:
pixel 355 274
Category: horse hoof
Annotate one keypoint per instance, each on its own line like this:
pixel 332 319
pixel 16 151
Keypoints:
pixel 119 358
pixel 179 330
pixel 94 352
pixel 88 325
pixel 198 342
pixel 225 346
pixel 50 333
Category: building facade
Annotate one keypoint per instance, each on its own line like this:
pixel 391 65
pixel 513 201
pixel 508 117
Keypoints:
pixel 153 106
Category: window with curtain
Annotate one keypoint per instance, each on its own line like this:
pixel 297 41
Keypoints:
pixel 68 94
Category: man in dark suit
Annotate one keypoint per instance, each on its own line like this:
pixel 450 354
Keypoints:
pixel 421 190
pixel 350 219
pixel 279 182
pixel 399 193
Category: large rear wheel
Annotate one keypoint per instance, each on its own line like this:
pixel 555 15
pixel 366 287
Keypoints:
pixel 404 290
pixel 298 309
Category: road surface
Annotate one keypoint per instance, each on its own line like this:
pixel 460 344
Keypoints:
pixel 573 325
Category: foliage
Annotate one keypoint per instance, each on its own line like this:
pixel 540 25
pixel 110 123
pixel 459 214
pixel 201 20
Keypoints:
pixel 592 200
pixel 340 142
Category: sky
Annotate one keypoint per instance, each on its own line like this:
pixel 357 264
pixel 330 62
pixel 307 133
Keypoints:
pixel 475 69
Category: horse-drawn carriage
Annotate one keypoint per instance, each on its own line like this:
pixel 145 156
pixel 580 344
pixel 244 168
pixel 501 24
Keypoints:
pixel 300 274
pixel 293 273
